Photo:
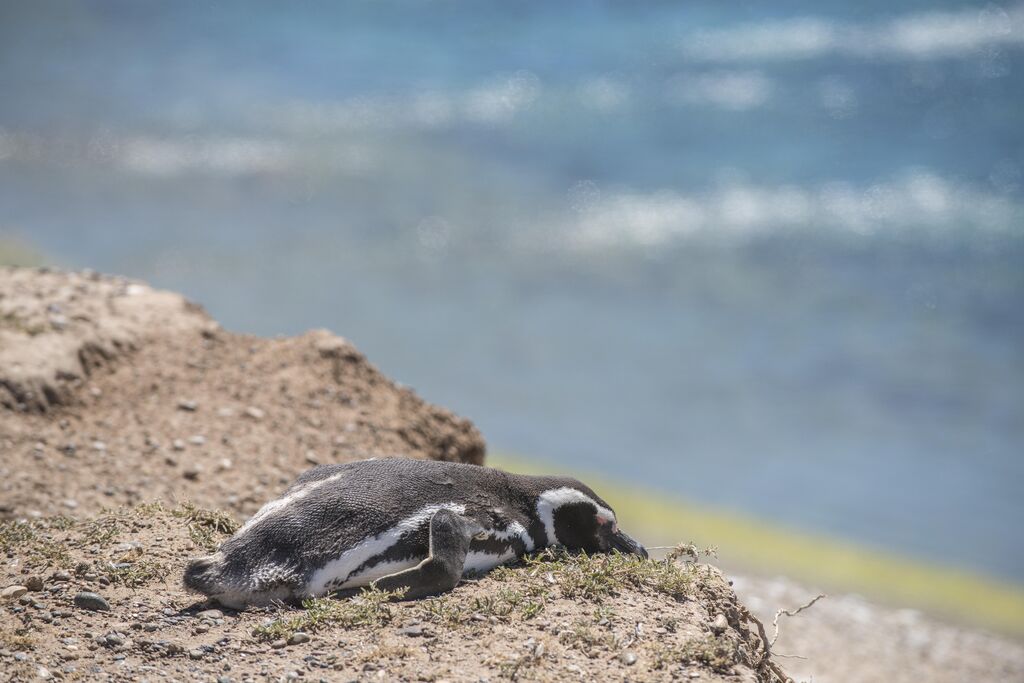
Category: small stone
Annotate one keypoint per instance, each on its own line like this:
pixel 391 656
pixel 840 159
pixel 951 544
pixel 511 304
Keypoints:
pixel 12 592
pixel 628 658
pixel 414 631
pixel 210 614
pixel 197 440
pixel 224 464
pixel 70 503
pixel 44 673
pixel 298 638
pixel 99 446
pixel 278 644
pixel 91 601
pixel 188 406
pixel 254 413
pixel 719 625
pixel 192 472
pixel 225 412
pixel 114 639
pixel 311 458
pixel 334 347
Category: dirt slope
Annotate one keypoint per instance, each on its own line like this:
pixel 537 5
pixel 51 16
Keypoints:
pixel 112 393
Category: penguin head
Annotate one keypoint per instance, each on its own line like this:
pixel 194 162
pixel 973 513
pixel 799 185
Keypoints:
pixel 574 516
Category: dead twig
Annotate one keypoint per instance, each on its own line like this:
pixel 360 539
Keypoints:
pixel 790 613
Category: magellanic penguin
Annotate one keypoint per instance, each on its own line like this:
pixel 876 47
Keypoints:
pixel 394 523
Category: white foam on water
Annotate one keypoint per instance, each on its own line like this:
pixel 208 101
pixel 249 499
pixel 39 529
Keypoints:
pixel 920 35
pixel 740 211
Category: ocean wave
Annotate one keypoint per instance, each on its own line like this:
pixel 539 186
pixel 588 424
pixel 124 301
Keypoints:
pixel 923 35
pixel 739 211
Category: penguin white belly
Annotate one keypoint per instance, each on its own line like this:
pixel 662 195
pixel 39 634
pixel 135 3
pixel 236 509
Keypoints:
pixel 356 567
pixel 481 561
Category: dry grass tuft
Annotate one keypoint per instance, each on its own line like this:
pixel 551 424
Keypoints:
pixel 370 608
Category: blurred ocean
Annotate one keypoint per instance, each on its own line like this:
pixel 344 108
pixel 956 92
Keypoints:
pixel 767 256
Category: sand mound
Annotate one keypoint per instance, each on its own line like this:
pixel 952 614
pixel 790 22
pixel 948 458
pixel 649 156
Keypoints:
pixel 121 393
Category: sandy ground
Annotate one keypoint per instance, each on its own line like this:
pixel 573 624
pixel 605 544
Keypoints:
pixel 116 393
pixel 849 639
pixel 560 618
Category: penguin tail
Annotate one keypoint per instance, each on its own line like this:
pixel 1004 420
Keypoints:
pixel 202 575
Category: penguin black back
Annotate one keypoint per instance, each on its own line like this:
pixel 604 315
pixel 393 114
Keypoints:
pixel 399 523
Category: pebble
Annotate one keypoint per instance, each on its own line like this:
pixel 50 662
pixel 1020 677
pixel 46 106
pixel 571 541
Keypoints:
pixel 628 658
pixel 254 413
pixel 298 638
pixel 91 601
pixel 99 446
pixel 719 625
pixel 191 472
pixel 71 503
pixel 197 440
pixel 414 631
pixel 188 406
pixel 195 654
pixel 114 639
pixel 278 644
pixel 12 592
pixel 44 673
pixel 210 614
pixel 178 445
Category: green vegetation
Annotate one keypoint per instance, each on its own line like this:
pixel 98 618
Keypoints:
pixel 760 547
pixel 14 252
pixel 206 528
pixel 371 608
pixel 35 541
pixel 30 541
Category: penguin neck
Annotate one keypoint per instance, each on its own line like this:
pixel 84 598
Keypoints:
pixel 537 500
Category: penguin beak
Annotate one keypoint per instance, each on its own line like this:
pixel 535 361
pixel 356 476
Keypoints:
pixel 622 542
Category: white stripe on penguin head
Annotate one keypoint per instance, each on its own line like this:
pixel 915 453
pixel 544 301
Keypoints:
pixel 551 500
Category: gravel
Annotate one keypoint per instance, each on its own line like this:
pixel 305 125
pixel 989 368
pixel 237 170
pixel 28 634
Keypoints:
pixel 91 601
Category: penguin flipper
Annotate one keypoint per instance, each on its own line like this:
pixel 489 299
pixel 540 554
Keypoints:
pixel 450 536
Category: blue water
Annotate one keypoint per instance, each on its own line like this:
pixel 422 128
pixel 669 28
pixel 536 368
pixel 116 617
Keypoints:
pixel 769 257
